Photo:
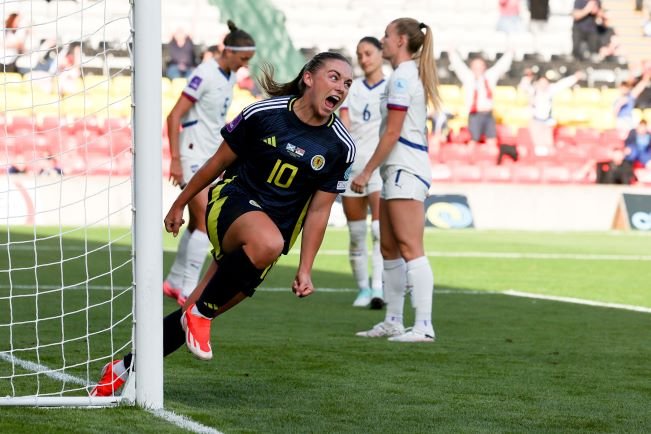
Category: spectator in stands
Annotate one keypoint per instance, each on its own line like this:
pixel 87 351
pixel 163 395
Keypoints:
pixel 638 146
pixel 541 93
pixel 13 38
pixel 617 170
pixel 608 41
pixel 67 69
pixel 181 55
pixel 584 28
pixel 362 116
pixel 623 108
pixel 211 52
pixel 402 157
pixel 539 15
pixel 509 20
pixel 201 112
pixel 479 84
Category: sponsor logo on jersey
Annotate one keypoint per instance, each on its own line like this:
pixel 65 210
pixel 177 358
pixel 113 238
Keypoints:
pixel 255 204
pixel 195 82
pixel 294 151
pixel 233 124
pixel 271 141
pixel 317 162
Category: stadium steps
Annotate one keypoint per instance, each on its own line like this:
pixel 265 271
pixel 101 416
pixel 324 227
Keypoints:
pixel 628 27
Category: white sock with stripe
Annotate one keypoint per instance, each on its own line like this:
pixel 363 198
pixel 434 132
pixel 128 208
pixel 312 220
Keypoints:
pixel 395 282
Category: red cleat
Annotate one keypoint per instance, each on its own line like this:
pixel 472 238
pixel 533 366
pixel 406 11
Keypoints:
pixel 170 291
pixel 110 382
pixel 197 334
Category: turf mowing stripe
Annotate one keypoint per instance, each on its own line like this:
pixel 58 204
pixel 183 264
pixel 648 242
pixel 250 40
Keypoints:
pixel 577 301
pixel 168 416
pixel 433 253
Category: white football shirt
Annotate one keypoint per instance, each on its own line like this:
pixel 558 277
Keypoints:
pixel 404 91
pixel 211 90
pixel 363 105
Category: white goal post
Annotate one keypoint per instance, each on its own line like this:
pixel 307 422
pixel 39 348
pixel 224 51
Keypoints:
pixel 80 200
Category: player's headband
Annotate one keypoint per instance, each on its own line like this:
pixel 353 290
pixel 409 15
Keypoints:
pixel 232 48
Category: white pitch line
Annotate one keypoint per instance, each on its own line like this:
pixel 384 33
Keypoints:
pixel 168 416
pixel 577 301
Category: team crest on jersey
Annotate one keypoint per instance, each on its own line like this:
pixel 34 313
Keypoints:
pixel 317 162
pixel 295 151
pixel 195 82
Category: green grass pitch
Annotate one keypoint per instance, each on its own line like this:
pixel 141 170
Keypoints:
pixel 282 364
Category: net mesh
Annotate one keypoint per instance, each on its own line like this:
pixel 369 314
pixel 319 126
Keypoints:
pixel 66 194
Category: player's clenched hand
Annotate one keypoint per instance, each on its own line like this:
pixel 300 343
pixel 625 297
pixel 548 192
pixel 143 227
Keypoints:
pixel 176 172
pixel 174 220
pixel 302 285
pixel 358 184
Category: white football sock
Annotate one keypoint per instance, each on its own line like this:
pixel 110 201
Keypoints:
pixel 376 258
pixel 119 369
pixel 196 255
pixel 175 275
pixel 395 282
pixel 420 280
pixel 357 252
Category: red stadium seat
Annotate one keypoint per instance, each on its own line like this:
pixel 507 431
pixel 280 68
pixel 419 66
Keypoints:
pixel 466 173
pixel 485 153
pixel 21 125
pixel 440 172
pixel 496 173
pixel 555 174
pixel 455 152
pixel 525 173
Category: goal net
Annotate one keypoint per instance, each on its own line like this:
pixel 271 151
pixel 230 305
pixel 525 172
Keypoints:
pixel 68 198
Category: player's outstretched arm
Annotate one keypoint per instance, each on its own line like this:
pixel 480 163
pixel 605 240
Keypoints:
pixel 316 221
pixel 211 169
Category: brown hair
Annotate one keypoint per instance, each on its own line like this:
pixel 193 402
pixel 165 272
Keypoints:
pixel 421 46
pixel 237 37
pixel 10 22
pixel 296 86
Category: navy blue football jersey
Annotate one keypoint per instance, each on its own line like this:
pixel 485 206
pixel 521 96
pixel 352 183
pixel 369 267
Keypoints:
pixel 282 161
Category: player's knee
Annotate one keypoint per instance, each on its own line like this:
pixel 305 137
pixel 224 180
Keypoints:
pixel 265 251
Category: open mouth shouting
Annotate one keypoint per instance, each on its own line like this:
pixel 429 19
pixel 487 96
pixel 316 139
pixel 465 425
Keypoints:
pixel 332 102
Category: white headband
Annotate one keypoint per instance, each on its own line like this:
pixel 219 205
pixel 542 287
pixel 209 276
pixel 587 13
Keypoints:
pixel 229 47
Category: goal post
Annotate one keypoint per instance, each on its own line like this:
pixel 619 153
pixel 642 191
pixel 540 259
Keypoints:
pixel 148 203
pixel 81 202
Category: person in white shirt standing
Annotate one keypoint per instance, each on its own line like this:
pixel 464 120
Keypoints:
pixel 541 95
pixel 402 156
pixel 360 112
pixel 201 113
pixel 479 86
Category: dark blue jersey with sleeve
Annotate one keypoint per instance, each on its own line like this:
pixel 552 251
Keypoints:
pixel 282 161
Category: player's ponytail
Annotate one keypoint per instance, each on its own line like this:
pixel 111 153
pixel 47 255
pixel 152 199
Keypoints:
pixel 296 86
pixel 421 46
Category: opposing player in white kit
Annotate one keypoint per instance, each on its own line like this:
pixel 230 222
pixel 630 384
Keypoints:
pixel 405 169
pixel 361 115
pixel 201 112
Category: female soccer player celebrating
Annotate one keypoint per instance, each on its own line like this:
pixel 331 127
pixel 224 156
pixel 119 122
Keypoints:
pixel 360 112
pixel 404 166
pixel 201 112
pixel 286 160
